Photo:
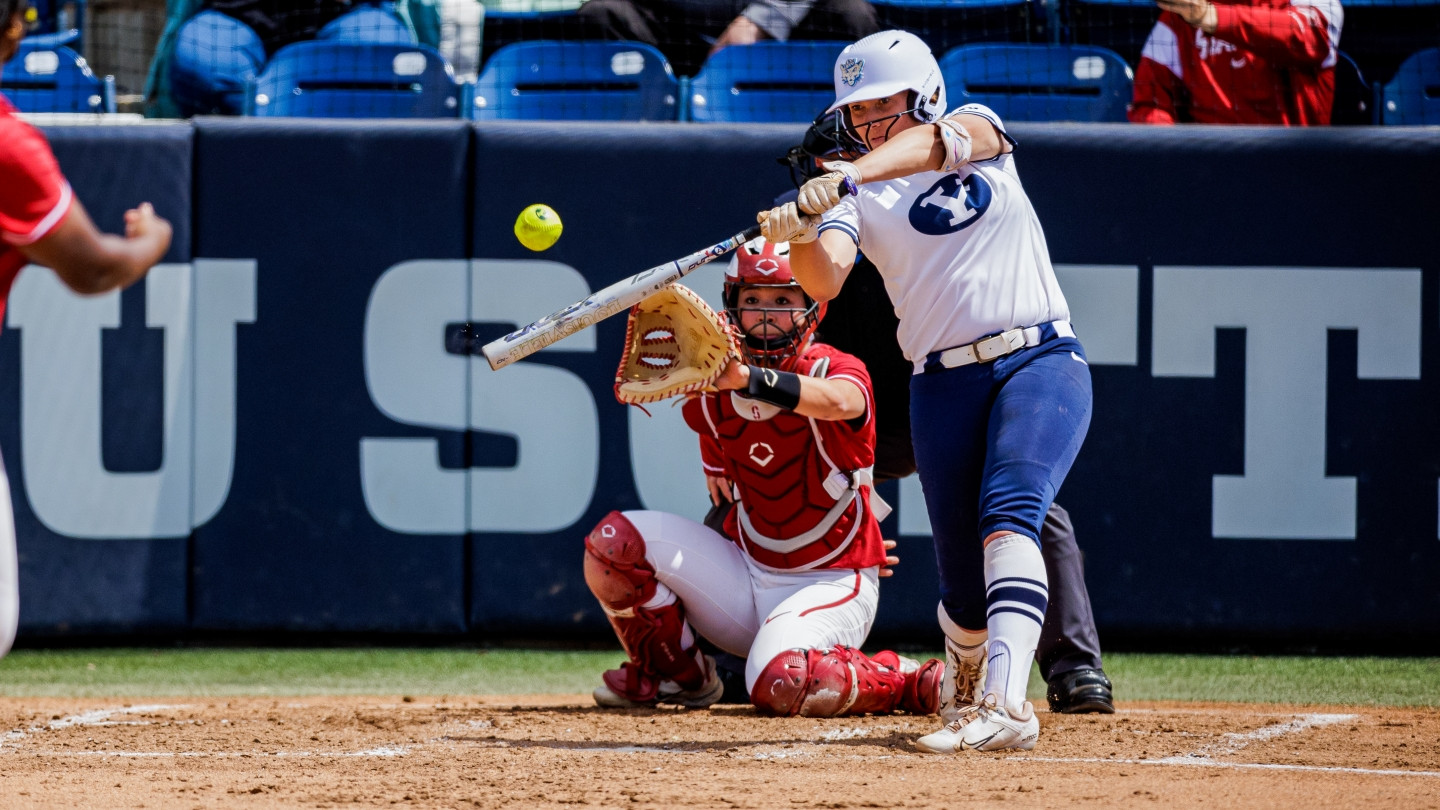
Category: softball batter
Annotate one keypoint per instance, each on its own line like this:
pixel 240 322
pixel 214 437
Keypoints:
pixel 1000 397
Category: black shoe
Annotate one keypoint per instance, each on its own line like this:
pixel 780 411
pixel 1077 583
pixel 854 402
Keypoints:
pixel 1082 691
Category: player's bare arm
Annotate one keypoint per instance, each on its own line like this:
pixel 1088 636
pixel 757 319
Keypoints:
pixel 826 400
pixel 91 262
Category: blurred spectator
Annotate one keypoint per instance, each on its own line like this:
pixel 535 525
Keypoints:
pixel 687 31
pixel 1239 62
pixel 211 48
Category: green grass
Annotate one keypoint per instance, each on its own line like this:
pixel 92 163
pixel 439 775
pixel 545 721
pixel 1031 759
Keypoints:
pixel 398 671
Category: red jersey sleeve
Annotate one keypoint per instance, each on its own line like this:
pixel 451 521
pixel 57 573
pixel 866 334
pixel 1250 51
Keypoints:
pixel 1294 36
pixel 34 196
pixel 1158 87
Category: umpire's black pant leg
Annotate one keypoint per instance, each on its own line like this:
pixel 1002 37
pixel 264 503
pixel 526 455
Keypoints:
pixel 1068 639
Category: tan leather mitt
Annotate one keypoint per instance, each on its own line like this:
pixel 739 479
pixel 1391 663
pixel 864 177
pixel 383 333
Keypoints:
pixel 674 344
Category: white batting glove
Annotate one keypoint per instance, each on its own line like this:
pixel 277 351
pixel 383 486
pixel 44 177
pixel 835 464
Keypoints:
pixel 787 224
pixel 822 193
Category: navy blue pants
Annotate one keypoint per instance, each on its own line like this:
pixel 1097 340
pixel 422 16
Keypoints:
pixel 993 442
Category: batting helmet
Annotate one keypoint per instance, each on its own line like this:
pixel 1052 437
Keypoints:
pixel 759 263
pixel 882 65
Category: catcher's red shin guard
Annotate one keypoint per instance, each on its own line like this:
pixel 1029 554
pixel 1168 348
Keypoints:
pixel 615 566
pixel 827 682
pixel 654 637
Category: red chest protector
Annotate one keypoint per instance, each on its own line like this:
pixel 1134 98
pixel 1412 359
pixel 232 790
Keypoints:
pixel 804 484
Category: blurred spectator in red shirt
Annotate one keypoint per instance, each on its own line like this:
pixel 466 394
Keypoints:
pixel 1239 62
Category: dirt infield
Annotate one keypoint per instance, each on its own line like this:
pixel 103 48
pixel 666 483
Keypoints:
pixel 547 752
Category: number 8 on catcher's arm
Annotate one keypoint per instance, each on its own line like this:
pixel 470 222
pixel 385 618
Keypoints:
pixel 674 344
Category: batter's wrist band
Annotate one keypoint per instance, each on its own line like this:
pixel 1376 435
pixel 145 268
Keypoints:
pixel 776 387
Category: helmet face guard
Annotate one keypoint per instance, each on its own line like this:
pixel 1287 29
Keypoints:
pixel 882 65
pixel 761 264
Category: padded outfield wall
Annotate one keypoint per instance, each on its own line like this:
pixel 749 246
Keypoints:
pixel 283 428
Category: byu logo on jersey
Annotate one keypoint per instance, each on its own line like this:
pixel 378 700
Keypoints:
pixel 951 205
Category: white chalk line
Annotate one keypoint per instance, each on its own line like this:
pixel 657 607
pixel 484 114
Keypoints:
pixel 381 752
pixel 1204 763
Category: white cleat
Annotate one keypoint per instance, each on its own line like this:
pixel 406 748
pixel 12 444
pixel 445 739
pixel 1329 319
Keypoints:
pixel 985 727
pixel 964 682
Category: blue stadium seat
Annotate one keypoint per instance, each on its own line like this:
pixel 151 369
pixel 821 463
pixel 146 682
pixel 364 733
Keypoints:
pixel 786 82
pixel 1039 82
pixel 1413 96
pixel 947 24
pixel 1380 34
pixel 46 77
pixel 323 79
pixel 576 81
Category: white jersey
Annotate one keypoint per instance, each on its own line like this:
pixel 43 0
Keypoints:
pixel 962 253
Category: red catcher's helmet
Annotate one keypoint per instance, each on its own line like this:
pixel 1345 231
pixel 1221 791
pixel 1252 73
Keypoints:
pixel 758 263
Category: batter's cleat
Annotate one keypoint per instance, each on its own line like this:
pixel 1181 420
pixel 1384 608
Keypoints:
pixel 986 726
pixel 963 682
pixel 1083 691
pixel 629 688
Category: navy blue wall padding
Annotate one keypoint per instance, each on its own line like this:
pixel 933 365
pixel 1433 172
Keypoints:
pixel 325 208
pixel 1247 196
pixel 109 586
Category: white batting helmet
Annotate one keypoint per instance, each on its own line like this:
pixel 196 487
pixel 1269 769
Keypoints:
pixel 882 65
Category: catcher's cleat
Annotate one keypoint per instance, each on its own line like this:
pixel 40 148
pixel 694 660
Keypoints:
pixel 923 682
pixel 629 688
pixel 1083 691
pixel 964 680
pixel 986 726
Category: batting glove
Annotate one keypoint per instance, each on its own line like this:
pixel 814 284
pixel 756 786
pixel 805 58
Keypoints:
pixel 787 224
pixel 822 193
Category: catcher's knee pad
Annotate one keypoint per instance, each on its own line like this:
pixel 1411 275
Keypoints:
pixel 827 682
pixel 615 566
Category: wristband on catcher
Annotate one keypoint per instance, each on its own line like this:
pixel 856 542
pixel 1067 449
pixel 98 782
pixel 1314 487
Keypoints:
pixel 780 388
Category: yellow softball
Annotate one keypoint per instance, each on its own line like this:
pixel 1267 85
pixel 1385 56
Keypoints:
pixel 538 227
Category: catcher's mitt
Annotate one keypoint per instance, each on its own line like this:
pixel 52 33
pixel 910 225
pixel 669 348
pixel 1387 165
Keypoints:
pixel 674 344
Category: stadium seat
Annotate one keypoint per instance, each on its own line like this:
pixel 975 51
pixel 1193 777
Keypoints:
pixel 786 82
pixel 46 76
pixel 1354 102
pixel 1380 34
pixel 1118 25
pixel 576 81
pixel 323 79
pixel 1039 82
pixel 947 24
pixel 1413 96
pixel 503 26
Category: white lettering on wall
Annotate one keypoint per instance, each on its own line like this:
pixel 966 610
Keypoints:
pixel 549 411
pixel 1286 312
pixel 65 478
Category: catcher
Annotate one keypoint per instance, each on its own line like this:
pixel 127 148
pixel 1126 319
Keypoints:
pixel 787 437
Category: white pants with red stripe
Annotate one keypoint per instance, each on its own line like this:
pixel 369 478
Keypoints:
pixel 748 610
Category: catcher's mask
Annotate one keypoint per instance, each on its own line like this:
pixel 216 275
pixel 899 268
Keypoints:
pixel 822 142
pixel 761 264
